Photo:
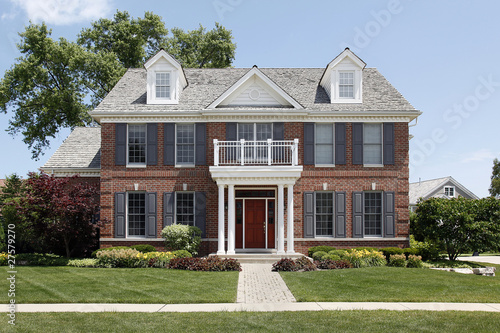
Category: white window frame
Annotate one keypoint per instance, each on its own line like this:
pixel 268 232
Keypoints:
pixel 381 164
pixel 185 164
pixel 332 235
pixel 257 151
pixel 316 143
pixel 353 85
pixel 151 93
pixel 447 189
pixel 138 164
pixel 193 193
pixel 127 235
pixel 169 85
pixel 357 84
pixel 381 214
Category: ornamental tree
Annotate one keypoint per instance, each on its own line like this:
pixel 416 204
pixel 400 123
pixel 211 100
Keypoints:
pixel 495 179
pixel 61 211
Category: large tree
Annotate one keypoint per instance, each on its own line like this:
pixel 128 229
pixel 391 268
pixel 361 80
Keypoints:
pixel 495 179
pixel 56 82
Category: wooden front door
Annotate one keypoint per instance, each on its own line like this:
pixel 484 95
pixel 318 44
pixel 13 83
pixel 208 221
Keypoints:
pixel 255 223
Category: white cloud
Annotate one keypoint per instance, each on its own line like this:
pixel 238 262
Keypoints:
pixel 478 156
pixel 63 12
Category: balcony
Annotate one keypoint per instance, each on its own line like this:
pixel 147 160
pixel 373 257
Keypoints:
pixel 256 153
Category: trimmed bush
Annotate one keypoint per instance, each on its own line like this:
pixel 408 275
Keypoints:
pixel 409 251
pixel 144 248
pixel 94 254
pixel 414 261
pixel 285 265
pixel 39 259
pixel 388 251
pixel 323 248
pixel 181 254
pixel 397 260
pixel 305 264
pixel 341 253
pixel 182 237
pixel 333 264
pixel 319 255
pixel 212 264
pixel 329 256
pixel 367 248
pixel 87 262
pixel 155 259
pixel 128 258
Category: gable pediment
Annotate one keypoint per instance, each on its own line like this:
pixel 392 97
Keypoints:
pixel 255 89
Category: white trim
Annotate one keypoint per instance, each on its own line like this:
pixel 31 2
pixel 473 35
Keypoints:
pixel 330 239
pixel 255 175
pixel 332 127
pixel 135 164
pixel 188 165
pixel 68 172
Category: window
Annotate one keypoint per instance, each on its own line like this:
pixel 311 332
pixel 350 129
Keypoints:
pixel 324 145
pixel 346 85
pixel 162 85
pixel 255 132
pixel 184 210
pixel 373 213
pixel 185 144
pixel 137 144
pixel 372 144
pixel 449 191
pixel 324 213
pixel 136 214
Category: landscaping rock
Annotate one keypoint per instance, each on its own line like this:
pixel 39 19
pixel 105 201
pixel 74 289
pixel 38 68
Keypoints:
pixel 486 271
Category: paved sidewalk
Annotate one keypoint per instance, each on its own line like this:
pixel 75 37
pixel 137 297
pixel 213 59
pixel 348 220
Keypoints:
pixel 258 284
pixel 482 259
pixel 258 307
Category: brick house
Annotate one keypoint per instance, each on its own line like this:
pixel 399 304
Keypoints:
pixel 263 160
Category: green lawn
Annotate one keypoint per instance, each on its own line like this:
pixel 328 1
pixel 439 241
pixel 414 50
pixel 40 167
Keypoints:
pixel 391 284
pixel 119 285
pixel 321 321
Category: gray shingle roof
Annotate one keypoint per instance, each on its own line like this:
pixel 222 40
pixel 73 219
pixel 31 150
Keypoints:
pixel 206 85
pixel 82 149
pixel 427 188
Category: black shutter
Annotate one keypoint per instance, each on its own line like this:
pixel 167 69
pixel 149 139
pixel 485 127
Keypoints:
pixel 168 208
pixel 357 214
pixel 340 214
pixel 389 214
pixel 169 144
pixel 357 143
pixel 200 212
pixel 278 131
pixel 120 214
pixel 309 214
pixel 151 215
pixel 308 143
pixel 152 144
pixel 389 143
pixel 340 144
pixel 120 144
pixel 231 132
pixel 201 144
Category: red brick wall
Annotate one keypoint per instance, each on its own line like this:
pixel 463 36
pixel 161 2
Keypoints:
pixel 346 178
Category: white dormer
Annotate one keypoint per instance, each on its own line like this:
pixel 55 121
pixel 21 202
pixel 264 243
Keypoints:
pixel 165 78
pixel 343 78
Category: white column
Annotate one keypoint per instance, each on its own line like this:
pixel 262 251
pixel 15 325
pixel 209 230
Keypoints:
pixel 281 222
pixel 230 221
pixel 289 244
pixel 221 238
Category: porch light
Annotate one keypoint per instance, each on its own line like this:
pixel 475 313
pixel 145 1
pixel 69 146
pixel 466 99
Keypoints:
pixel 374 186
pixel 325 186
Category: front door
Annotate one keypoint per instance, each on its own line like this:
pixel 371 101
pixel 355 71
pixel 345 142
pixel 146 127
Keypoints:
pixel 255 223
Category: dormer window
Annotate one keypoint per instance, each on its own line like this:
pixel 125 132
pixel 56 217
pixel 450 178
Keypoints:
pixel 162 85
pixel 346 84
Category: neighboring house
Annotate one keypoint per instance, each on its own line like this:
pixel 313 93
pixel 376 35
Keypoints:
pixel 446 187
pixel 262 160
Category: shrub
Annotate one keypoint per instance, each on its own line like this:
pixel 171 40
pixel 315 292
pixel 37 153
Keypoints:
pixel 39 259
pixel 341 253
pixel 87 262
pixel 388 251
pixel 214 264
pixel 329 256
pixel 144 248
pixel 94 254
pixel 181 254
pixel 182 237
pixel 427 250
pixel 155 259
pixel 397 260
pixel 333 264
pixel 365 258
pixel 285 265
pixel 314 249
pixel 409 251
pixel 367 248
pixel 414 261
pixel 3 258
pixel 119 258
pixel 319 255
pixel 305 264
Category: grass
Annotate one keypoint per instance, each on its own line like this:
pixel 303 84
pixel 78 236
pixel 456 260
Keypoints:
pixel 391 284
pixel 321 321
pixel 119 285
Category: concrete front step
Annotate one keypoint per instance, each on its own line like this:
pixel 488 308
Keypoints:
pixel 258 258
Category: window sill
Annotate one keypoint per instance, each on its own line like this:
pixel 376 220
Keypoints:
pixel 185 165
pixel 324 165
pixel 136 166
pixel 373 165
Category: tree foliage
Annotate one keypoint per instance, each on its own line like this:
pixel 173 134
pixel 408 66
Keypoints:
pixel 56 82
pixel 60 211
pixel 458 225
pixel 495 179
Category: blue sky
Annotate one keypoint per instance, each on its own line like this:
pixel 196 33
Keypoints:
pixel 441 55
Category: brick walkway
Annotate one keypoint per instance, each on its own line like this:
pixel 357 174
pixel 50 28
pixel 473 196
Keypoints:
pixel 258 284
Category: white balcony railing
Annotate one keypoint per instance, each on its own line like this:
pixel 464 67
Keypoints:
pixel 270 152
